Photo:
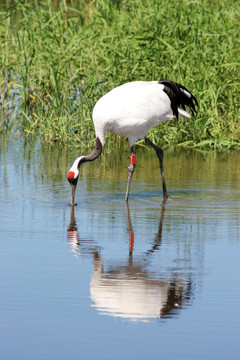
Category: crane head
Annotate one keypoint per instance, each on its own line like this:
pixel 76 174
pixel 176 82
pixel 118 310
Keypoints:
pixel 72 177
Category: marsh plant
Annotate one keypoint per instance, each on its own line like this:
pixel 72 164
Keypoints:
pixel 58 58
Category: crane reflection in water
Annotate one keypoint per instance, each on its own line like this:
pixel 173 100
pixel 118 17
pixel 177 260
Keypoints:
pixel 129 290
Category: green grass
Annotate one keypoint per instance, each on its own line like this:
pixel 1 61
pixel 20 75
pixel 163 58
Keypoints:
pixel 57 61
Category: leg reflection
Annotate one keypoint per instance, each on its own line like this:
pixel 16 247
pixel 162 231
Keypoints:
pixel 158 237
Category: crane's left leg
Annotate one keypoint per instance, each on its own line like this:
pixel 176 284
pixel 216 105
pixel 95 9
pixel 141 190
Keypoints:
pixel 130 171
pixel 159 153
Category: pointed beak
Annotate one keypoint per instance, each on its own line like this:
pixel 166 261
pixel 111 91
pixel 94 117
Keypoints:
pixel 73 189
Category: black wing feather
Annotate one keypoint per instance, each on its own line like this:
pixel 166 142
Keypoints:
pixel 178 97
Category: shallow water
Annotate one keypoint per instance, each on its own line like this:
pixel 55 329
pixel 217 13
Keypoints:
pixel 111 281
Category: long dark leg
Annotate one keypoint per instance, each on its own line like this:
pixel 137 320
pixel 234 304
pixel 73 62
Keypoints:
pixel 130 171
pixel 159 153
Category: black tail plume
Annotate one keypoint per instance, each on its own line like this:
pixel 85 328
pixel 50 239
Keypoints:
pixel 179 97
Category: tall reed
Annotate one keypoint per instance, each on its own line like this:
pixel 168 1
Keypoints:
pixel 56 61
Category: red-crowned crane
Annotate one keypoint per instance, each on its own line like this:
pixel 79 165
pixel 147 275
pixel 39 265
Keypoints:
pixel 131 110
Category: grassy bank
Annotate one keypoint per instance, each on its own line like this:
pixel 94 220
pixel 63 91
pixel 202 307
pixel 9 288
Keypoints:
pixel 56 61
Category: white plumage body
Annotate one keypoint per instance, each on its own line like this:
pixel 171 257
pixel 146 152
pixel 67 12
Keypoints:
pixel 131 110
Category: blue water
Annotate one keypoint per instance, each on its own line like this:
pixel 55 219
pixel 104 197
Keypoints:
pixel 111 282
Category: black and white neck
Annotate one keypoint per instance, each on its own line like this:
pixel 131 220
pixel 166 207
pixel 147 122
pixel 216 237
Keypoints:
pixel 73 173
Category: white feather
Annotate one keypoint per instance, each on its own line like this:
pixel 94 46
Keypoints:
pixel 184 113
pixel 186 93
pixel 131 110
pixel 74 167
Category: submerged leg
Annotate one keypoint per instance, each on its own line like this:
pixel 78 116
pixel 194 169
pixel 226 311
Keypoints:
pixel 130 230
pixel 130 171
pixel 159 153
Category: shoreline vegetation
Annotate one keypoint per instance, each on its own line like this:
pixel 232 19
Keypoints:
pixel 59 57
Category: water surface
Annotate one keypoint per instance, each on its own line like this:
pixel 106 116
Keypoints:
pixel 106 280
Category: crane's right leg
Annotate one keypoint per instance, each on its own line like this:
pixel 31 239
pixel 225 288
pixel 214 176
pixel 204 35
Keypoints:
pixel 159 153
pixel 130 171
